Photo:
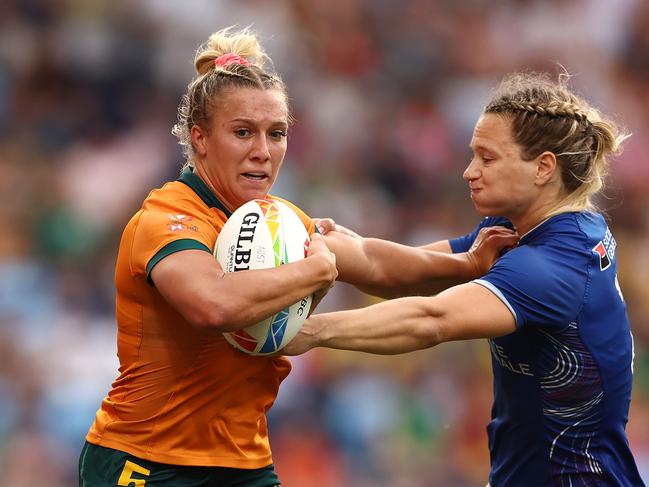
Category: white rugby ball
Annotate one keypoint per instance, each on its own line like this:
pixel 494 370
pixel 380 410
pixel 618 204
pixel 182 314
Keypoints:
pixel 263 234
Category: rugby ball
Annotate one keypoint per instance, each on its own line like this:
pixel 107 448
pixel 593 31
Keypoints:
pixel 264 234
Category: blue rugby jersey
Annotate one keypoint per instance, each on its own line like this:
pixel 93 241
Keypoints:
pixel 562 380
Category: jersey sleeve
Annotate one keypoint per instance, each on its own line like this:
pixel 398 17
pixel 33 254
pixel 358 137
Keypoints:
pixel 160 233
pixel 540 286
pixel 463 243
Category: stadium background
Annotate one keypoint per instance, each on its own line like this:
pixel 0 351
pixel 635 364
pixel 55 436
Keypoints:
pixel 385 94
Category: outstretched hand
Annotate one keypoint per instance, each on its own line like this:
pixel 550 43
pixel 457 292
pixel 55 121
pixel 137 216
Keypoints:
pixel 488 247
pixel 326 225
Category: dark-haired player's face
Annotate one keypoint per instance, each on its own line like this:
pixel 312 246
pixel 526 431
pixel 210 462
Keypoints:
pixel 243 150
pixel 501 182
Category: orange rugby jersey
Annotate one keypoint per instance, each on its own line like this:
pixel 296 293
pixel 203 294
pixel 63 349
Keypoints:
pixel 184 396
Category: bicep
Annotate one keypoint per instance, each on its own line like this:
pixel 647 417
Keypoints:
pixel 184 277
pixel 472 311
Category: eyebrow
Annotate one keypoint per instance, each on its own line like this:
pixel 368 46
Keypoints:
pixel 254 122
pixel 483 148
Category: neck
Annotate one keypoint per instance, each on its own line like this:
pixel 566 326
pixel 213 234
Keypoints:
pixel 527 222
pixel 550 201
pixel 534 216
pixel 199 170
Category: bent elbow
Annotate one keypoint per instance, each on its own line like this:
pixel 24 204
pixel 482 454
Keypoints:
pixel 216 318
pixel 430 329
pixel 428 334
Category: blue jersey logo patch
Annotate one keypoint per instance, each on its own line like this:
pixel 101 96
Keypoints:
pixel 606 250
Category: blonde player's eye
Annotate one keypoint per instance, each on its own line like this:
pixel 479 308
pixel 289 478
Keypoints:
pixel 278 134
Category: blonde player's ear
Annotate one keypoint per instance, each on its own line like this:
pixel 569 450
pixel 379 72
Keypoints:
pixel 199 140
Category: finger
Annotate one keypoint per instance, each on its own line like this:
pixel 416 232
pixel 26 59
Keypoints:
pixel 490 235
pixel 506 232
pixel 504 240
pixel 497 230
pixel 325 225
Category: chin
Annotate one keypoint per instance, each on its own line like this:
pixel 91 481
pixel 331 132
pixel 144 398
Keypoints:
pixel 486 211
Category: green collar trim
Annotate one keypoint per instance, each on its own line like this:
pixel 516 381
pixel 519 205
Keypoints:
pixel 200 188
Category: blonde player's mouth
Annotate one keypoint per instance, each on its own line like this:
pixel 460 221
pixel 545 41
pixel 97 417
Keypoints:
pixel 253 176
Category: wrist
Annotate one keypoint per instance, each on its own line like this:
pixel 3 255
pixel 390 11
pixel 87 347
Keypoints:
pixel 312 331
pixel 473 265
pixel 324 273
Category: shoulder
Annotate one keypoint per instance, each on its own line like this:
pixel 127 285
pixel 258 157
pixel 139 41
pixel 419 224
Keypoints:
pixel 172 218
pixel 593 226
pixel 176 203
pixel 570 239
pixel 545 278
pixel 577 225
pixel 174 212
pixel 556 249
pixel 174 194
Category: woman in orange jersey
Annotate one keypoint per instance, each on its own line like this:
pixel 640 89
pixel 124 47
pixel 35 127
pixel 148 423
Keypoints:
pixel 187 408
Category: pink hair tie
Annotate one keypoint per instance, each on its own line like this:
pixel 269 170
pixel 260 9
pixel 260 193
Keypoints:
pixel 230 58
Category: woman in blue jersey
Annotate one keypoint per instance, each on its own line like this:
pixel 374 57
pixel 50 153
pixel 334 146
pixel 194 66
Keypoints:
pixel 551 306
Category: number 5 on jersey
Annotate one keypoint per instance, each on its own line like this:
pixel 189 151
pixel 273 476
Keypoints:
pixel 126 479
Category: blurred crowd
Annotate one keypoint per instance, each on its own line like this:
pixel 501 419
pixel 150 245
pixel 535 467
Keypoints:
pixel 385 94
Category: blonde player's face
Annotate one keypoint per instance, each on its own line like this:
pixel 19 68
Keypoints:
pixel 243 149
pixel 501 182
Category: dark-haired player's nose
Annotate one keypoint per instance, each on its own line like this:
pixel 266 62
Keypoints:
pixel 472 171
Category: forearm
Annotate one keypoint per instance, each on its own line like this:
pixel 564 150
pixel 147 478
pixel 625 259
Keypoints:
pixel 380 267
pixel 427 288
pixel 245 298
pixel 403 325
pixel 390 327
pixel 439 246
pixel 400 270
pixel 196 286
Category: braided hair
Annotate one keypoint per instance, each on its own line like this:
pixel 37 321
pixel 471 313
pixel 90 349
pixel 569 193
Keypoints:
pixel 547 116
pixel 228 59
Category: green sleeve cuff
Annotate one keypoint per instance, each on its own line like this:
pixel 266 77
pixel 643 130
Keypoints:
pixel 170 248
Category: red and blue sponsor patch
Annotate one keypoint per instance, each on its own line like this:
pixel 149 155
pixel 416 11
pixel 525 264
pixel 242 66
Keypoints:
pixel 605 249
